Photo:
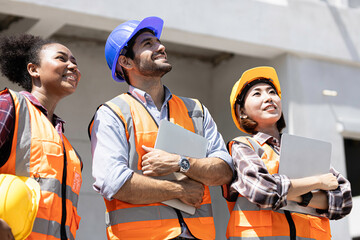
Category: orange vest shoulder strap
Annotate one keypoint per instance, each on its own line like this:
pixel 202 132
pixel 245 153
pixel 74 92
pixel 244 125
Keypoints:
pixel 21 142
pixel 113 106
pixel 251 142
pixel 196 113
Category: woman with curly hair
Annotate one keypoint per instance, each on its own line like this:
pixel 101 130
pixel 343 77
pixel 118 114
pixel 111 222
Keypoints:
pixel 32 143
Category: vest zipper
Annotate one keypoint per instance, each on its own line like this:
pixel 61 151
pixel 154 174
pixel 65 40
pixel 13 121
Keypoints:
pixel 63 199
pixel 182 222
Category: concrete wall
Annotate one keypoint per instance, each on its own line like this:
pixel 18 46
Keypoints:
pixel 313 44
pixel 312 114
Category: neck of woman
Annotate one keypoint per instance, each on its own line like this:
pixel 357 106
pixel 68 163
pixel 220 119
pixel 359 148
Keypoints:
pixel 48 102
pixel 271 130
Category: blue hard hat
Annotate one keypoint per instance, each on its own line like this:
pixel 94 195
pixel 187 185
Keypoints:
pixel 121 35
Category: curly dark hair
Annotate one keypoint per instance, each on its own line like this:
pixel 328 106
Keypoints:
pixel 16 52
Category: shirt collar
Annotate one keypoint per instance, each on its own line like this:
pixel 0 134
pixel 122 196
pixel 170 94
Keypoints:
pixel 144 96
pixel 37 104
pixel 263 138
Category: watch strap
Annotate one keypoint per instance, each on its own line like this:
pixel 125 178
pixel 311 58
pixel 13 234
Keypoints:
pixel 306 198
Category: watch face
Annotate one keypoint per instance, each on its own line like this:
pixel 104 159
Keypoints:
pixel 184 164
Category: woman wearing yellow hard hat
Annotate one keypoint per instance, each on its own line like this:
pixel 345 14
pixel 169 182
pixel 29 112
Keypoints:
pixel 258 192
pixel 32 142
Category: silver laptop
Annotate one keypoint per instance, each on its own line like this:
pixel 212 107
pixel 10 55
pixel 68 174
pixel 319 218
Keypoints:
pixel 303 157
pixel 176 139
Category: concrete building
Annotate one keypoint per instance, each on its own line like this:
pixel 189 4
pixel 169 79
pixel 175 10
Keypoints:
pixel 313 44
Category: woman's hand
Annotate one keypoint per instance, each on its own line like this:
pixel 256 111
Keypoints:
pixel 328 182
pixel 5 231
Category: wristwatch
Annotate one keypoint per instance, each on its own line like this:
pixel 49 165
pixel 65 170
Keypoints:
pixel 306 198
pixel 184 164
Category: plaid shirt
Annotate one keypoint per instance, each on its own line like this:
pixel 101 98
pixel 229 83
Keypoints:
pixel 7 114
pixel 265 190
pixel 6 118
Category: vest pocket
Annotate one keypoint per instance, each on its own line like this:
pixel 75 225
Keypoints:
pixel 319 225
pixel 52 152
pixel 75 221
pixel 52 148
pixel 260 218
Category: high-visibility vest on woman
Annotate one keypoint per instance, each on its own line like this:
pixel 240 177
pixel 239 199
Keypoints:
pixel 154 221
pixel 38 152
pixel 248 221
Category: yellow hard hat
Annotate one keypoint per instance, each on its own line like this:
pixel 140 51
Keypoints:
pixel 246 78
pixel 19 203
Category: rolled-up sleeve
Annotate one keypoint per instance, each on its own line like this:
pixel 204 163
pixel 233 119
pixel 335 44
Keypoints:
pixel 340 199
pixel 216 145
pixel 255 182
pixel 109 149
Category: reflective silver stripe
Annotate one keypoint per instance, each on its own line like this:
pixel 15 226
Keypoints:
pixel 149 213
pixel 269 238
pixel 53 185
pixel 257 148
pixel 137 214
pixel 125 110
pixel 204 211
pixel 242 204
pixel 195 113
pixel 52 228
pixel 23 138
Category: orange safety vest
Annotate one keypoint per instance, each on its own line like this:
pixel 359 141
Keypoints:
pixel 38 151
pixel 154 221
pixel 247 220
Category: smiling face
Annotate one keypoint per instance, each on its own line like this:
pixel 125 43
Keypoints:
pixel 150 58
pixel 58 72
pixel 263 105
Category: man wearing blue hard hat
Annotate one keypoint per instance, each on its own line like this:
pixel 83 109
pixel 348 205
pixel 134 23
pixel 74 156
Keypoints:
pixel 123 134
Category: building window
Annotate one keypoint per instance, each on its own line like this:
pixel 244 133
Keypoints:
pixel 352 153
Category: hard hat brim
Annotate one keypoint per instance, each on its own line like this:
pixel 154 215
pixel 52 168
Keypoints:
pixel 246 78
pixel 153 23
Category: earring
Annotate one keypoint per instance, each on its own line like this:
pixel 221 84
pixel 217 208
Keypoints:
pixel 243 116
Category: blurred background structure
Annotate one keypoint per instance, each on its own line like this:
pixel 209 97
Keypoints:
pixel 313 44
